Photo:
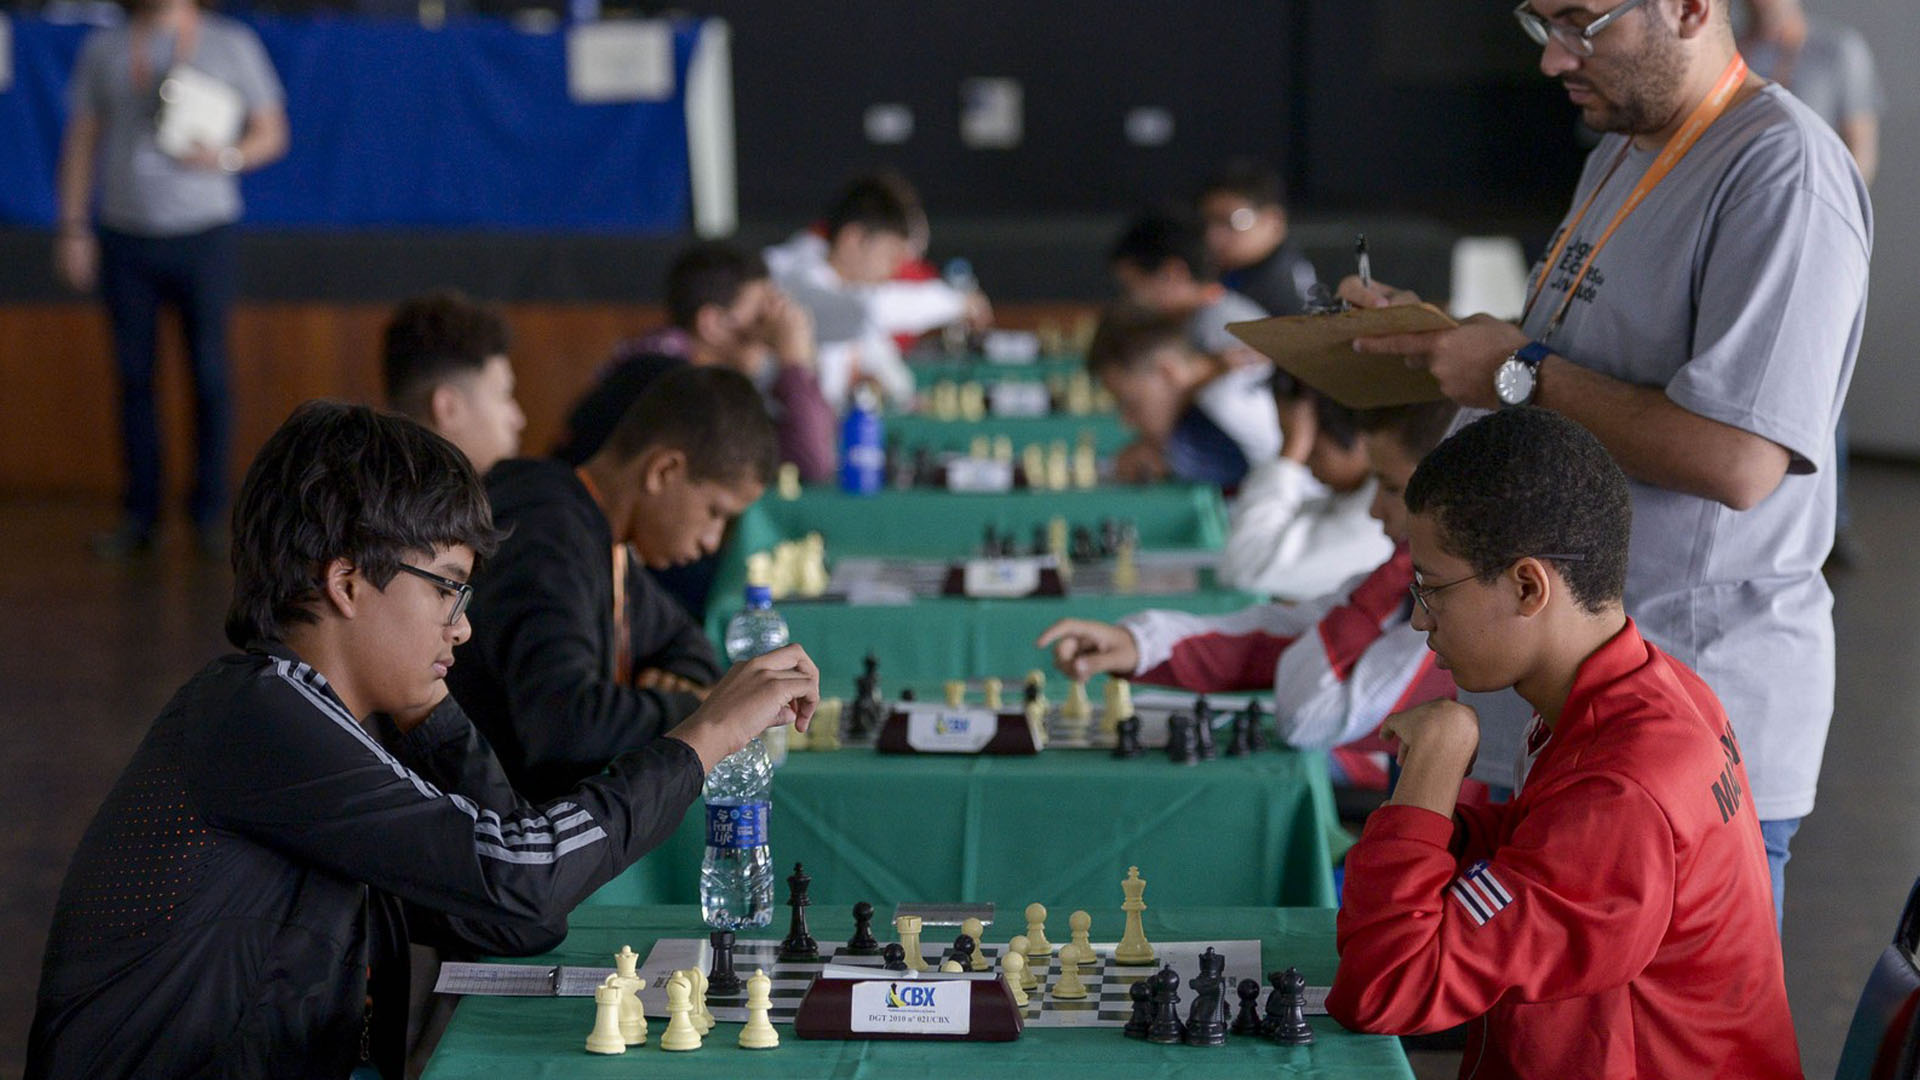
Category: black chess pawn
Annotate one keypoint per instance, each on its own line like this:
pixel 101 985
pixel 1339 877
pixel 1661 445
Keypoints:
pixel 1040 545
pixel 990 543
pixel 1109 538
pixel 799 943
pixel 893 957
pixel 862 943
pixel 1255 721
pixel 1248 1022
pixel 926 473
pixel 1081 547
pixel 1182 745
pixel 722 980
pixel 1203 729
pixel 1126 738
pixel 1166 1027
pixel 1290 1028
pixel 867 713
pixel 962 954
pixel 1242 742
pixel 906 693
pixel 1205 1024
pixel 1140 993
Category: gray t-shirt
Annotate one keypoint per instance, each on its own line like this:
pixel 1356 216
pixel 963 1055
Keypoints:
pixel 1740 286
pixel 142 190
pixel 1207 327
pixel 1832 71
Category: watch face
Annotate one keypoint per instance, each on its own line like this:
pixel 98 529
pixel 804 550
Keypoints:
pixel 1513 382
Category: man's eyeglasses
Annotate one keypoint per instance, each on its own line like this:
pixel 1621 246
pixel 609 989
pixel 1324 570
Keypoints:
pixel 461 592
pixel 1422 592
pixel 1577 40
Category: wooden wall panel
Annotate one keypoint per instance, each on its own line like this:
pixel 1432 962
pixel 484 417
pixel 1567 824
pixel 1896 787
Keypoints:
pixel 59 421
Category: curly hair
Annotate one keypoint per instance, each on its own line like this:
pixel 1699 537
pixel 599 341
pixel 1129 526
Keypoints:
pixel 344 481
pixel 1528 482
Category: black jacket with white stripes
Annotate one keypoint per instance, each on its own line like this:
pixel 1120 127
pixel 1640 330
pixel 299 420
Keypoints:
pixel 242 903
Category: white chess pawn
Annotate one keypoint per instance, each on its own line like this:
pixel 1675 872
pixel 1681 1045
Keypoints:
pixel 1076 712
pixel 951 966
pixel 1028 980
pixel 681 1033
pixel 1037 943
pixel 633 1012
pixel 956 693
pixel 759 1033
pixel 1068 986
pixel 1081 924
pixel 977 930
pixel 789 483
pixel 1013 972
pixel 606 1038
pixel 990 689
pixel 814 578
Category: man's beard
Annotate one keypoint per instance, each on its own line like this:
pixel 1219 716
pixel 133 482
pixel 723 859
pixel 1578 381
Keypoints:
pixel 1648 97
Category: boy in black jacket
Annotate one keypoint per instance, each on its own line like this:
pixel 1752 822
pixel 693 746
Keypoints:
pixel 242 903
pixel 556 676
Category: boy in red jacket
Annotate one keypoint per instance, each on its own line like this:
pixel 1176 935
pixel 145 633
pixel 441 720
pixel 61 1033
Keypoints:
pixel 1616 918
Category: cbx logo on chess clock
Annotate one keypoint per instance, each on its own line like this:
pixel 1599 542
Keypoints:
pixel 947 724
pixel 913 997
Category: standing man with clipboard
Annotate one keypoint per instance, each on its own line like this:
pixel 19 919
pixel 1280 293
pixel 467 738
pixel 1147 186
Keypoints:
pixel 1699 310
pixel 168 199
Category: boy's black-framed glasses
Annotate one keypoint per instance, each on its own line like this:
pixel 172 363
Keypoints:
pixel 461 592
pixel 1421 592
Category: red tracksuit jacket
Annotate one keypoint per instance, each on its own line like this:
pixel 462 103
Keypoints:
pixel 1614 920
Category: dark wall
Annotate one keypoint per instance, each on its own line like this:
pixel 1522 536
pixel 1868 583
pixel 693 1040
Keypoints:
pixel 1385 104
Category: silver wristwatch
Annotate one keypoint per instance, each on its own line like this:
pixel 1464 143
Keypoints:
pixel 1518 377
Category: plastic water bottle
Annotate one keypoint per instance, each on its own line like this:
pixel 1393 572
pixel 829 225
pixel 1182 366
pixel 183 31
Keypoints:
pixel 959 275
pixel 863 452
pixel 736 876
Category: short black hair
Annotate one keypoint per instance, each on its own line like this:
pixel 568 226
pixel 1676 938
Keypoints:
pixel 1249 178
pixel 1129 335
pixel 712 414
pixel 1417 428
pixel 344 481
pixel 880 202
pixel 1332 420
pixel 433 338
pixel 710 272
pixel 1529 482
pixel 1154 238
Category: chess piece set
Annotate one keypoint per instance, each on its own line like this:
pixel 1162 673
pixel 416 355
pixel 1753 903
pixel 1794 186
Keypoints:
pixel 837 722
pixel 1082 543
pixel 990 464
pixel 620 1019
pixel 1069 393
pixel 794 568
pixel 1156 1008
pixel 1191 736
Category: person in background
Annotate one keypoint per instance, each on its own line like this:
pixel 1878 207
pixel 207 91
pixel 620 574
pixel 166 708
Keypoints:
pixel 1161 263
pixel 162 234
pixel 1831 69
pixel 444 362
pixel 1301 523
pixel 1197 418
pixel 723 311
pixel 1242 208
pixel 575 660
pixel 847 281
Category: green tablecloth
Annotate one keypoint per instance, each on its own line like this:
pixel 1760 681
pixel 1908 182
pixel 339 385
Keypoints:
pixel 910 433
pixel 531 1038
pixel 923 644
pixel 1060 827
pixel 976 368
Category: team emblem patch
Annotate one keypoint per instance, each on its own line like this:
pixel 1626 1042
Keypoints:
pixel 1480 893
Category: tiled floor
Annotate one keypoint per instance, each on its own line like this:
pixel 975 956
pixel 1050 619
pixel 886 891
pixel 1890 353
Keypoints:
pixel 88 653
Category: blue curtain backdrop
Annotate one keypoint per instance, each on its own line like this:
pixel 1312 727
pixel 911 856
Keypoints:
pixel 397 125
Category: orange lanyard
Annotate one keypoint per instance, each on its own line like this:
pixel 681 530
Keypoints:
pixel 622 631
pixel 183 49
pixel 1702 117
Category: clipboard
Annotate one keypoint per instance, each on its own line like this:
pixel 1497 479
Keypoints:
pixel 1318 350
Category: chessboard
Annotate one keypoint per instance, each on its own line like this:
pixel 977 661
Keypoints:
pixel 1107 983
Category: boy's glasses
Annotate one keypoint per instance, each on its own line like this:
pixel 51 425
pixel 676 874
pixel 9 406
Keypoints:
pixel 1421 592
pixel 461 592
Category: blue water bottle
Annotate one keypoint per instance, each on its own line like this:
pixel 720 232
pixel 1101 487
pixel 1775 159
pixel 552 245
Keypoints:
pixel 863 453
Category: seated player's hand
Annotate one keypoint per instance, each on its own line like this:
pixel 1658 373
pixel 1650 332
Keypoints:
pixel 657 679
pixel 979 312
pixel 780 687
pixel 787 328
pixel 1375 294
pixel 1437 731
pixel 1299 427
pixel 1140 462
pixel 1083 648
